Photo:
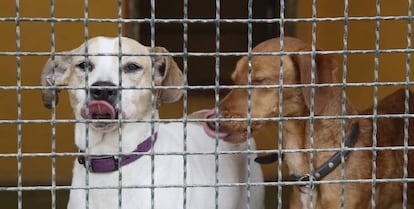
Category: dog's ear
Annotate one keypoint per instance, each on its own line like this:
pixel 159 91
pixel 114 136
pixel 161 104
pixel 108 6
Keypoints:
pixel 167 74
pixel 54 72
pixel 325 71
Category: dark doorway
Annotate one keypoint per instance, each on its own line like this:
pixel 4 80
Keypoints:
pixel 202 35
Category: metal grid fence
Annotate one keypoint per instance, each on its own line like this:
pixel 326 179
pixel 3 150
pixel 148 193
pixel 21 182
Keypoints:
pixel 19 121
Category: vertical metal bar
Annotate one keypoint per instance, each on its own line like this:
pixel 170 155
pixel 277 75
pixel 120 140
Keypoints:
pixel 312 103
pixel 344 113
pixel 87 92
pixel 153 101
pixel 249 94
pixel 375 106
pixel 185 112
pixel 53 158
pixel 120 151
pixel 217 99
pixel 407 103
pixel 19 109
pixel 280 123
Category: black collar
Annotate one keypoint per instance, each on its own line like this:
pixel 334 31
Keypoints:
pixel 327 167
pixel 333 162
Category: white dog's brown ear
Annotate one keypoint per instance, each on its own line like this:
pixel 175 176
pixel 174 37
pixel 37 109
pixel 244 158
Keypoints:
pixel 325 71
pixel 61 66
pixel 167 74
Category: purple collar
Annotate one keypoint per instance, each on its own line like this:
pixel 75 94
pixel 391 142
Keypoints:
pixel 104 164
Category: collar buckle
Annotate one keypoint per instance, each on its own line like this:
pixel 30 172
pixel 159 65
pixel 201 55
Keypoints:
pixel 99 164
pixel 309 185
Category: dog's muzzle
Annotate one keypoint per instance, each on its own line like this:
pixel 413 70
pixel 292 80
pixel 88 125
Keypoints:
pixel 102 103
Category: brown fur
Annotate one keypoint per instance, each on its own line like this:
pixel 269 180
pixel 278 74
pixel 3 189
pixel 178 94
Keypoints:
pixel 327 133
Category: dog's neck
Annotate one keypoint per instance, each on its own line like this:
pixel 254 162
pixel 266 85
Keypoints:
pixel 296 134
pixel 131 135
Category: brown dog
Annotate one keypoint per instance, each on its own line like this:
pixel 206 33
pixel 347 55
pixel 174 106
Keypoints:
pixel 358 166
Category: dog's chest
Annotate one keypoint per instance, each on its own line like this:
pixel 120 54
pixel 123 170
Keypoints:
pixel 136 181
pixel 160 179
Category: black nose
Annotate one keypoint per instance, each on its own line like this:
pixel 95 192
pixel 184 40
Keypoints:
pixel 103 90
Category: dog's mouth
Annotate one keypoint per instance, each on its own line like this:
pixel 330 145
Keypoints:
pixel 231 137
pixel 99 110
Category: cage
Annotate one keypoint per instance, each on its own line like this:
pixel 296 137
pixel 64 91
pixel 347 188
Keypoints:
pixel 371 41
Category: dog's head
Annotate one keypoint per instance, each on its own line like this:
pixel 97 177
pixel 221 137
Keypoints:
pixel 265 70
pixel 105 84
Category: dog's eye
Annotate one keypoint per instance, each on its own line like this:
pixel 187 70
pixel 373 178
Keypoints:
pixel 258 81
pixel 132 67
pixel 85 65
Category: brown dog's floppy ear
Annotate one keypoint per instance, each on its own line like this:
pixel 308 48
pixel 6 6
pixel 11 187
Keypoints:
pixel 61 71
pixel 167 74
pixel 325 71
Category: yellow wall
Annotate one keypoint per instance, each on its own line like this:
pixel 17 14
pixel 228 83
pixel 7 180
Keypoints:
pixel 35 37
pixel 361 36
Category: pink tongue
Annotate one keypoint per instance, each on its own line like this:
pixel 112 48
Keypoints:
pixel 99 109
pixel 210 132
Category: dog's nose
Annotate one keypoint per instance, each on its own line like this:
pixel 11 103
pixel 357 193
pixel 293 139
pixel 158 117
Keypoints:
pixel 104 91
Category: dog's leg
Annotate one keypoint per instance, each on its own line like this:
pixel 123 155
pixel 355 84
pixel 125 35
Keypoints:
pixel 300 198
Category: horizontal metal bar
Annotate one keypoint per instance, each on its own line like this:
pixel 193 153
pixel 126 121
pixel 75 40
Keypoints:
pixel 239 152
pixel 190 120
pixel 214 54
pixel 205 20
pixel 216 185
pixel 221 87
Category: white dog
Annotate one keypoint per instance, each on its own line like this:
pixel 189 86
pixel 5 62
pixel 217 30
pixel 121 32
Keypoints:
pixel 167 179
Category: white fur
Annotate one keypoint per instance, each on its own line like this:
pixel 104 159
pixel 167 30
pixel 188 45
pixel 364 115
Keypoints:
pixel 169 173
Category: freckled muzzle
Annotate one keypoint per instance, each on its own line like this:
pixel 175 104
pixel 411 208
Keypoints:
pixel 102 104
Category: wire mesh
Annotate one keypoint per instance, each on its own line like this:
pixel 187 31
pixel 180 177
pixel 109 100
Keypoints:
pixel 218 86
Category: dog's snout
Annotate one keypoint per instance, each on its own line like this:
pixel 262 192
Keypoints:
pixel 104 90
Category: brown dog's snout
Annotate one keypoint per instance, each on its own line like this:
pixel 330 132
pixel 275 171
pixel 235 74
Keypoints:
pixel 103 90
pixel 212 125
pixel 210 115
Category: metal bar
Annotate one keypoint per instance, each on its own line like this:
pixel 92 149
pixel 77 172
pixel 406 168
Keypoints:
pixel 284 183
pixel 207 20
pixel 221 54
pixel 185 97
pixel 375 108
pixel 217 98
pixel 312 105
pixel 53 137
pixel 280 105
pixel 120 121
pixel 87 91
pixel 407 105
pixel 343 113
pixel 19 109
pixel 249 96
pixel 153 99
